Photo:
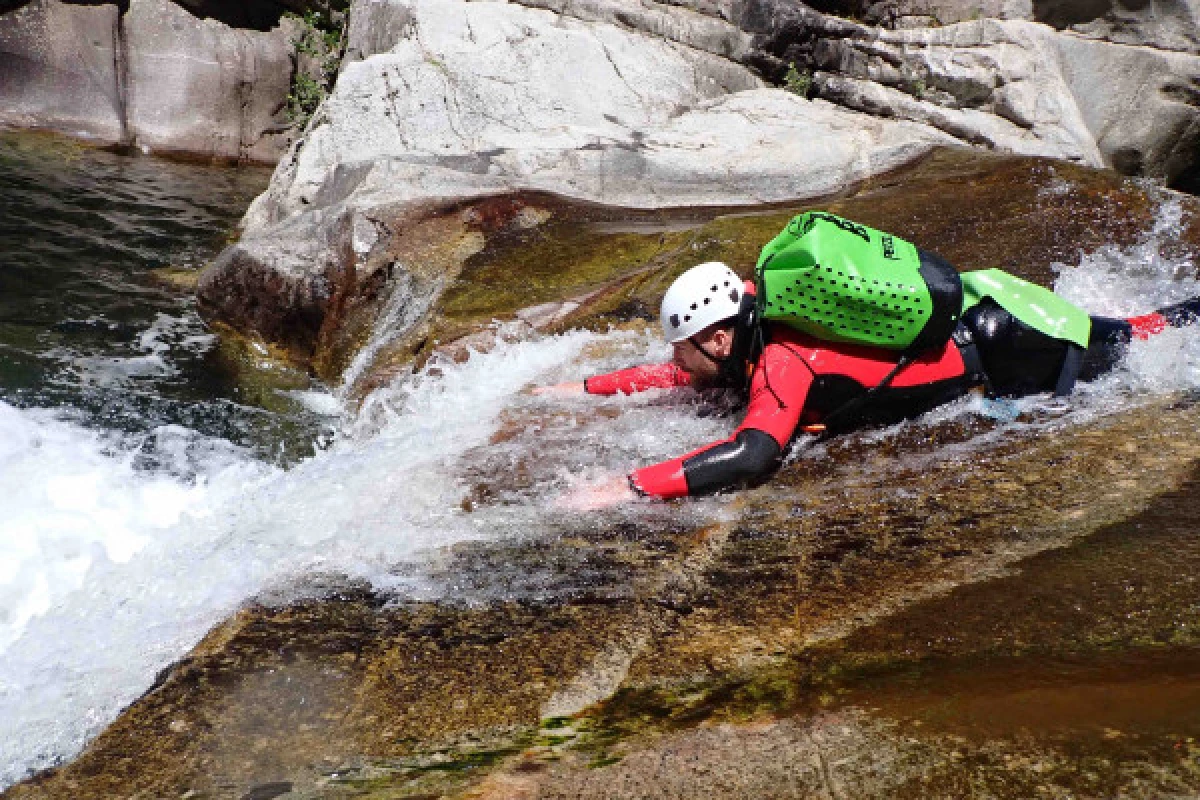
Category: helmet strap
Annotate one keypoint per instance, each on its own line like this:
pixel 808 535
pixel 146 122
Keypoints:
pixel 720 362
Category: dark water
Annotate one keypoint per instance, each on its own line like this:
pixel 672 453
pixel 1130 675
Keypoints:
pixel 88 325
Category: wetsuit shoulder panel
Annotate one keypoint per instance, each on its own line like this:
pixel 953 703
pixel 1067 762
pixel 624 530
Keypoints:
pixel 869 365
pixel 779 390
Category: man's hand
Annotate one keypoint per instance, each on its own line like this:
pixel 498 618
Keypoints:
pixel 559 390
pixel 592 497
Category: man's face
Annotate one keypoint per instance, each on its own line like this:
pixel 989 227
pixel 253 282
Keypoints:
pixel 717 341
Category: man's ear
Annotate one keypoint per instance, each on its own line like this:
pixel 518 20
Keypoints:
pixel 725 341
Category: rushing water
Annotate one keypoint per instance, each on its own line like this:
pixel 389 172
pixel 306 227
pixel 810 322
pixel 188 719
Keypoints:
pixel 146 499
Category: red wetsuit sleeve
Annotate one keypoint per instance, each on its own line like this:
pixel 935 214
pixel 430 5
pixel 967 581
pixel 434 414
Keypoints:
pixel 638 379
pixel 777 394
pixel 1147 325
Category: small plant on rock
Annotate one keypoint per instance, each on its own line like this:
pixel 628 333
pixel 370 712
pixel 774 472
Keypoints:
pixel 798 82
pixel 319 44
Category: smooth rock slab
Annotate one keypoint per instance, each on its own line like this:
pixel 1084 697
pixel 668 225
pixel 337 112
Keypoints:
pixel 199 86
pixel 58 70
pixel 470 102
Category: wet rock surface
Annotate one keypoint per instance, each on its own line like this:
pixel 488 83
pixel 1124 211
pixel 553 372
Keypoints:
pixel 978 211
pixel 923 612
pixel 395 283
pixel 814 641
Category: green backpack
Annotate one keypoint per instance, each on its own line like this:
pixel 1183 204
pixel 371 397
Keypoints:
pixel 841 281
pixel 844 282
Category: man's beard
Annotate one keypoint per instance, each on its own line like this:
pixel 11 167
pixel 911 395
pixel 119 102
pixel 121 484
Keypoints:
pixel 717 380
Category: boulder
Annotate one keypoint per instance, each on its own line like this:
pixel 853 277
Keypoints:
pixel 59 70
pixel 199 86
pixel 148 74
pixel 1023 87
pixel 1142 104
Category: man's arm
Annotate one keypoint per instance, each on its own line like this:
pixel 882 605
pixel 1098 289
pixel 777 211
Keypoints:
pixel 637 379
pixel 623 381
pixel 777 394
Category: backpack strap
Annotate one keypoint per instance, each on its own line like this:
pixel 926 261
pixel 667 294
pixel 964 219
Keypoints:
pixel 1072 365
pixel 858 403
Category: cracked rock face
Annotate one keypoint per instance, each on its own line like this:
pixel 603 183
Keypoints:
pixel 1163 24
pixel 1023 87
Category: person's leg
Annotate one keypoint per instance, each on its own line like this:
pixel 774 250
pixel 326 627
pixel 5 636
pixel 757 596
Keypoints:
pixel 1173 316
pixel 1018 359
pixel 1106 345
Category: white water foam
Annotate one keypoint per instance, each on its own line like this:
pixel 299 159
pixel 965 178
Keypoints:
pixel 166 336
pixel 111 572
pixel 1128 281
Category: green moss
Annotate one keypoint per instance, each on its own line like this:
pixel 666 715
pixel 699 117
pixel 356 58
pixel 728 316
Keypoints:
pixel 798 82
pixel 319 45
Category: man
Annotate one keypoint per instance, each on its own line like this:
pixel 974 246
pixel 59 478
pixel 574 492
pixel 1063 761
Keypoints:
pixel 797 382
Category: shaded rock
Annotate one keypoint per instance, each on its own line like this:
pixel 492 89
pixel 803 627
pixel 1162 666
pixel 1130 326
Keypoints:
pixel 1162 24
pixel 201 87
pixel 318 284
pixel 932 13
pixel 148 74
pixel 59 69
pixel 1143 106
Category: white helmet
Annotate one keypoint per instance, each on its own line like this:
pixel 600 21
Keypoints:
pixel 705 294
